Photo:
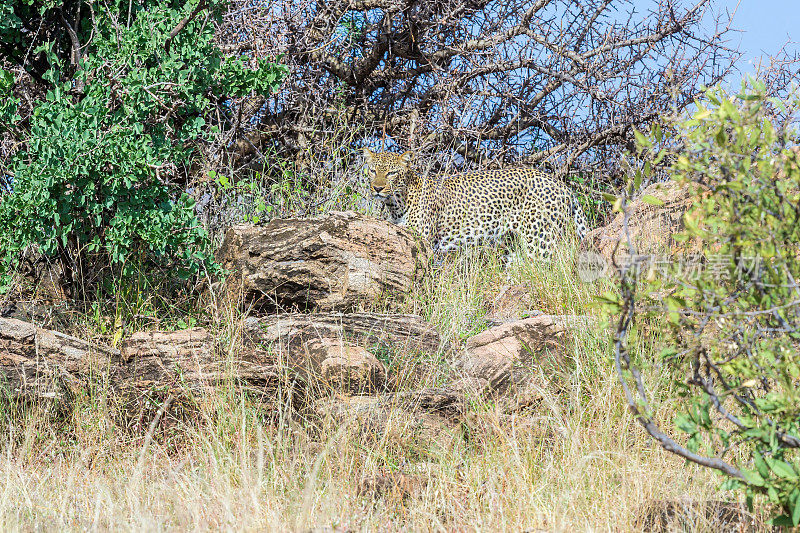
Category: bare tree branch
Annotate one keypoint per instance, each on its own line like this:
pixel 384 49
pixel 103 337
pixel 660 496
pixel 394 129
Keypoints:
pixel 562 82
pixel 201 5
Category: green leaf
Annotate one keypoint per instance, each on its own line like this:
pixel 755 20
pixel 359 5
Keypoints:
pixel 752 478
pixel 782 521
pixel 641 140
pixel 6 80
pixel 668 352
pixel 781 468
pixel 731 484
pixel 702 115
pixel 657 133
pixel 796 511
pixel 686 424
pixel 760 464
pixel 721 137
pixel 772 494
pixel 610 302
pixel 652 200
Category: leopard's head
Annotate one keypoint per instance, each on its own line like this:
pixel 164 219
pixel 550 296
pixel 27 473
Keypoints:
pixel 388 173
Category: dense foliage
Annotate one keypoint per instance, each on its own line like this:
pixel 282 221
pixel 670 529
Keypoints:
pixel 732 325
pixel 100 178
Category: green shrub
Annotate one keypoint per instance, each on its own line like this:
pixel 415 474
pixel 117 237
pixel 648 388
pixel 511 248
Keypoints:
pixel 97 183
pixel 732 327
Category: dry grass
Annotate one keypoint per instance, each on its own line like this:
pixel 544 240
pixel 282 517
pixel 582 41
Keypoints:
pixel 578 462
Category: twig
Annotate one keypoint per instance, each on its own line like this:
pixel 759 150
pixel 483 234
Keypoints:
pixel 182 24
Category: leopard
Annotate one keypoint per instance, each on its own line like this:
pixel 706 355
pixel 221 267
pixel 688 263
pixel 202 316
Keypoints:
pixel 478 207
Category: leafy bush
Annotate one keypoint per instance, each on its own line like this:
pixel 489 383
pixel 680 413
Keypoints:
pixel 732 327
pixel 98 180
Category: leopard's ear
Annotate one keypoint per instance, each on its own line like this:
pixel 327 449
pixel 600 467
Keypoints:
pixel 368 154
pixel 407 156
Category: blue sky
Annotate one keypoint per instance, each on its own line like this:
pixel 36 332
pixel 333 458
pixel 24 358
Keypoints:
pixel 767 25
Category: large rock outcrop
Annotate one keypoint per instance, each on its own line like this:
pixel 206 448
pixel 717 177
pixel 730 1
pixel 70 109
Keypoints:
pixel 39 364
pixel 341 261
pixel 492 354
pixel 175 362
pixel 191 360
pixel 313 353
pixel 517 361
pixel 348 342
pixel 651 227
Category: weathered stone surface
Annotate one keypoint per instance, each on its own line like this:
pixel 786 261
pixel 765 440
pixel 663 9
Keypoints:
pixel 451 400
pixel 652 228
pixel 180 360
pixel 314 352
pixel 37 363
pixel 492 354
pixel 177 361
pixel 295 338
pixel 40 363
pixel 340 261
pixel 406 332
pixel 527 388
pixel 387 421
pixel 349 368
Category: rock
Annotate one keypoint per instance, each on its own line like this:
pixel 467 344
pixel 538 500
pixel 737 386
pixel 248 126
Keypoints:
pixel 492 354
pixel 652 228
pixel 341 261
pixel 36 363
pixel 41 364
pixel 8 309
pixel 177 361
pixel 405 332
pixel 187 360
pixel 386 421
pixel 306 354
pixel 451 401
pixel 349 368
pixel 527 388
pixel 296 338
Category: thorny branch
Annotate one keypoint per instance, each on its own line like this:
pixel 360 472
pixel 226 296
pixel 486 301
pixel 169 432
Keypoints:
pixel 469 83
pixel 558 81
pixel 182 24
